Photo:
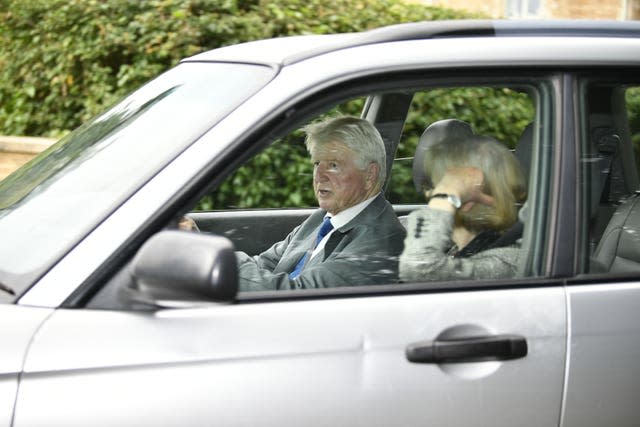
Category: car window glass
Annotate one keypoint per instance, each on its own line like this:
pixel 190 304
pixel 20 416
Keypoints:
pixel 500 112
pixel 277 177
pixel 517 117
pixel 264 202
pixel 610 154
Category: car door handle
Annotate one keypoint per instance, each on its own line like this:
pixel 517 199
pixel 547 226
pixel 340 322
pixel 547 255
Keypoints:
pixel 464 350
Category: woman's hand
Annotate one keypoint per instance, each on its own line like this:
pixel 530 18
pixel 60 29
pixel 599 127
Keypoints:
pixel 467 183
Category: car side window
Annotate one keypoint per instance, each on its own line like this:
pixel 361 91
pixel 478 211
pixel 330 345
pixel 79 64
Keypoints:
pixel 270 201
pixel 269 194
pixel 266 204
pixel 307 211
pixel 279 176
pixel 507 115
pixel 610 165
pixel 503 113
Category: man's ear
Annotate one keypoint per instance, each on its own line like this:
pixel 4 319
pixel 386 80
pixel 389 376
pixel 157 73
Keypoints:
pixel 372 173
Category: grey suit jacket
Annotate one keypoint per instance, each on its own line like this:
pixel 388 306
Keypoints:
pixel 429 237
pixel 363 252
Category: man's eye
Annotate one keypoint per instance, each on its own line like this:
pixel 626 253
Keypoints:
pixel 316 164
pixel 333 165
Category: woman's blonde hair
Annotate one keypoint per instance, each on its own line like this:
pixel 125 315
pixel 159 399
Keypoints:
pixel 503 179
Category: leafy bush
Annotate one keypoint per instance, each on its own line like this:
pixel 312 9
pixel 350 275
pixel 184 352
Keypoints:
pixel 632 97
pixel 497 112
pixel 280 176
pixel 64 61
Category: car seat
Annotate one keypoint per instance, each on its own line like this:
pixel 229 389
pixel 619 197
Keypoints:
pixel 619 249
pixel 450 129
pixel 437 132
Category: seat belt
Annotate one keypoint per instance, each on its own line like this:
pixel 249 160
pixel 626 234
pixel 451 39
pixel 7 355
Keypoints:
pixel 607 142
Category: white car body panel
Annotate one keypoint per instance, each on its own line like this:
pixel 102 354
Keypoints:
pixel 18 326
pixel 337 362
pixel 604 358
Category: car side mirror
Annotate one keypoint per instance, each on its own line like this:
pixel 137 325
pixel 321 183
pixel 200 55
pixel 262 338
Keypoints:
pixel 184 267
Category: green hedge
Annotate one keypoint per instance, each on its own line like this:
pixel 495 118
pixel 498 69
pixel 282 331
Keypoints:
pixel 64 61
pixel 633 114
pixel 282 174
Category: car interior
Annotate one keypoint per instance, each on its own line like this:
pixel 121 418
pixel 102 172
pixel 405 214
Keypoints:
pixel 610 167
pixel 255 230
pixel 609 171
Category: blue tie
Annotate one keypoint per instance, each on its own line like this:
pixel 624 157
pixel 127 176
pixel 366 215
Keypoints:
pixel 324 230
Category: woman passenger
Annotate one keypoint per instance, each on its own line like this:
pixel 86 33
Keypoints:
pixel 478 187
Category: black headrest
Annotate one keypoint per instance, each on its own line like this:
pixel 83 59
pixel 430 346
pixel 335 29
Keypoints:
pixel 437 132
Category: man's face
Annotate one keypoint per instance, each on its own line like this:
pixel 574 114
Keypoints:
pixel 337 182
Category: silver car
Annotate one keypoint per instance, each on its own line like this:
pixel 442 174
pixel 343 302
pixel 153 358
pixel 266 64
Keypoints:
pixel 111 316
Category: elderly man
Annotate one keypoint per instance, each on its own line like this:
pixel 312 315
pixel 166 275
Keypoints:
pixel 354 238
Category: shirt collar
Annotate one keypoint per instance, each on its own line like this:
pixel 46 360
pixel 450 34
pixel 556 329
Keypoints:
pixel 344 217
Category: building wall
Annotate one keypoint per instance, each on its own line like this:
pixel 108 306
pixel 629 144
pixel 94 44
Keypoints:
pixel 553 9
pixel 585 9
pixel 633 9
pixel 16 151
pixel 12 161
pixel 492 8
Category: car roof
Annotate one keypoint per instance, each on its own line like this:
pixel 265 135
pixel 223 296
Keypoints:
pixel 292 49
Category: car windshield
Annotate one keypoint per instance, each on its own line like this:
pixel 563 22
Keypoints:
pixel 53 201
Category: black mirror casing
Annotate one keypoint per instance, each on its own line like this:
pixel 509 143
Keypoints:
pixel 185 266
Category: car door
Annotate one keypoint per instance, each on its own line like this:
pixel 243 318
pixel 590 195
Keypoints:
pixel 603 375
pixel 338 361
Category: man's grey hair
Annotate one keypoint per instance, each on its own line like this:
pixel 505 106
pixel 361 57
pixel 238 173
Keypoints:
pixel 357 134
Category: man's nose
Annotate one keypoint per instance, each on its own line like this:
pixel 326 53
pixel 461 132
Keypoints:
pixel 320 173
